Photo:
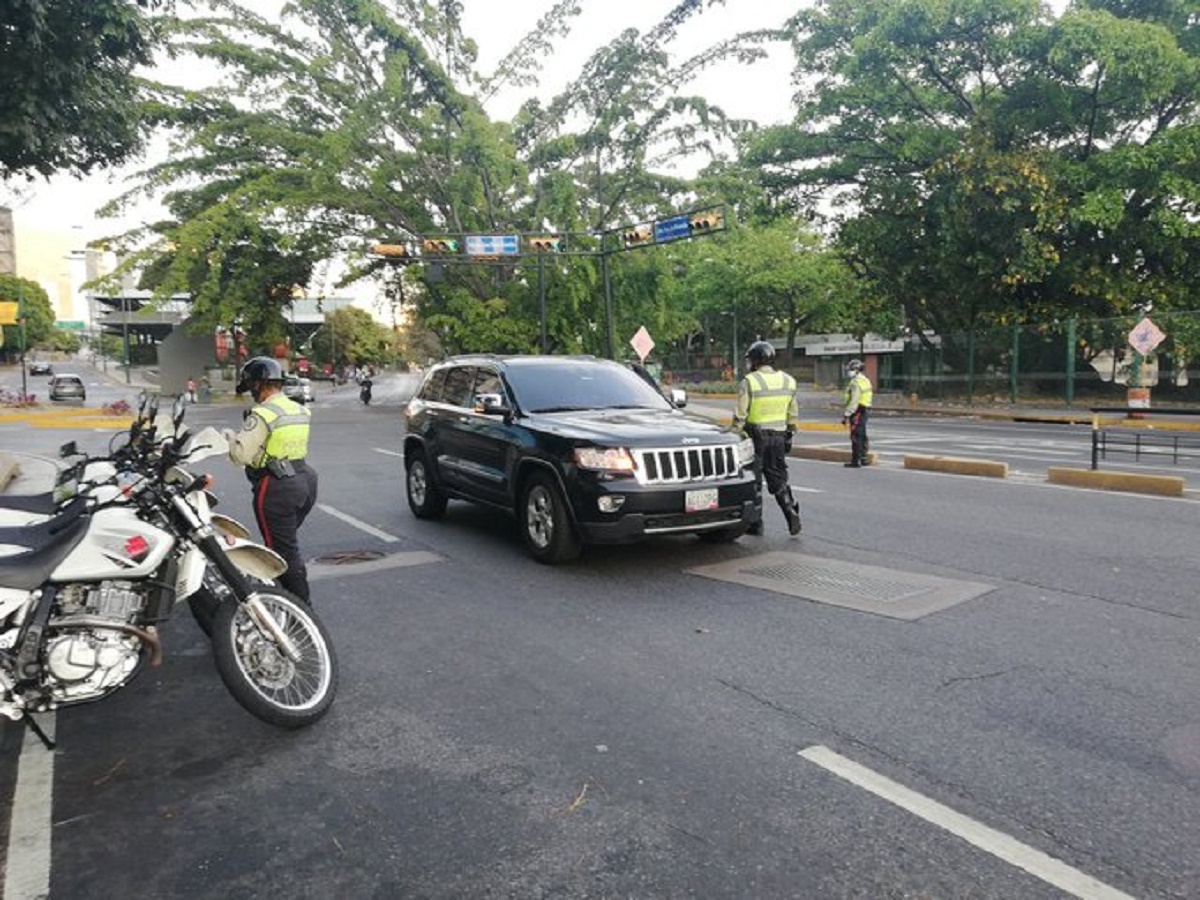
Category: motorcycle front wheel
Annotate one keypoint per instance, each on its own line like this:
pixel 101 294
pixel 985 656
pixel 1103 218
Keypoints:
pixel 266 681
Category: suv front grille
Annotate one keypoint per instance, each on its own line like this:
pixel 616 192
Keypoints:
pixel 682 464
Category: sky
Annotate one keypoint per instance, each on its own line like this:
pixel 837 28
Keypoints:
pixel 760 92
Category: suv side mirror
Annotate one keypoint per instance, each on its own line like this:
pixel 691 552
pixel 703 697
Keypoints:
pixel 679 397
pixel 491 405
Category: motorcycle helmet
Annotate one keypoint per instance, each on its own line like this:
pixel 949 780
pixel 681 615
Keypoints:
pixel 854 366
pixel 759 352
pixel 258 370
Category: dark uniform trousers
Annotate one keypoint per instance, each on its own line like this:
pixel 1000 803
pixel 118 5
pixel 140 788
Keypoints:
pixel 859 446
pixel 770 450
pixel 281 504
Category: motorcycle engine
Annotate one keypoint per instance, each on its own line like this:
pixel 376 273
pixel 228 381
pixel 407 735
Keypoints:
pixel 87 660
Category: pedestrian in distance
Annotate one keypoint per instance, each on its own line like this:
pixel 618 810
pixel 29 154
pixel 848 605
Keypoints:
pixel 769 414
pixel 859 396
pixel 273 446
pixel 190 389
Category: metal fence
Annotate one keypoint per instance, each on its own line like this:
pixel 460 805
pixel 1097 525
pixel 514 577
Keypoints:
pixel 1073 362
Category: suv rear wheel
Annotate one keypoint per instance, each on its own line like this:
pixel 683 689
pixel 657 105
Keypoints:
pixel 545 522
pixel 424 498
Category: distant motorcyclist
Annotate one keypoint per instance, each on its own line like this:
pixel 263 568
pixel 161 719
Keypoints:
pixel 364 390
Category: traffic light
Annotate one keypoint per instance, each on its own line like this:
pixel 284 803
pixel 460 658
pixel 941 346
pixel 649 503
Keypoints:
pixel 547 244
pixel 393 250
pixel 439 245
pixel 709 220
pixel 642 234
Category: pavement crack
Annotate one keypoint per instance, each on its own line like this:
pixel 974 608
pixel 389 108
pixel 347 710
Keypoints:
pixel 982 676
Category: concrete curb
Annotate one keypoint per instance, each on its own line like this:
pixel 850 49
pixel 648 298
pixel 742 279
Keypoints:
pixel 1129 482
pixel 829 454
pixel 956 465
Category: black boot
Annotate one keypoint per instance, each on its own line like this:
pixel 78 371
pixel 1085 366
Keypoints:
pixel 791 510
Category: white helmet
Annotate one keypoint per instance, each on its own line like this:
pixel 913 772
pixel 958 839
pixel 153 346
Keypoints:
pixel 855 365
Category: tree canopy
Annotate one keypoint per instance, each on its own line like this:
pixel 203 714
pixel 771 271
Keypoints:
pixel 69 97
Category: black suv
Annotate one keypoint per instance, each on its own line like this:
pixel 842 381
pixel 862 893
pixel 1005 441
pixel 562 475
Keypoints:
pixel 583 450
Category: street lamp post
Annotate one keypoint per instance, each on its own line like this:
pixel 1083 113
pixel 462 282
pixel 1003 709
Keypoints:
pixel 21 331
pixel 125 334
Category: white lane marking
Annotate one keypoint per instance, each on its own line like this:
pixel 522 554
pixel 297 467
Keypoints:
pixel 359 524
pixel 1012 851
pixel 805 490
pixel 27 872
pixel 387 452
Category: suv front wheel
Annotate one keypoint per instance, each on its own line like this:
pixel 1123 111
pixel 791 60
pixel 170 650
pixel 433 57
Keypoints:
pixel 545 522
pixel 424 498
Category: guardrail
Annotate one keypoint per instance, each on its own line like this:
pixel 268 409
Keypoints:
pixel 1144 440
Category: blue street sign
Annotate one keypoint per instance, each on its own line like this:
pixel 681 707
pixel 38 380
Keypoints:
pixel 672 229
pixel 493 245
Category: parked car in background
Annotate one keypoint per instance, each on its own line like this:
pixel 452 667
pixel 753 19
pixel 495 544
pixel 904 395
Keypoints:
pixel 298 389
pixel 582 450
pixel 67 387
pixel 40 367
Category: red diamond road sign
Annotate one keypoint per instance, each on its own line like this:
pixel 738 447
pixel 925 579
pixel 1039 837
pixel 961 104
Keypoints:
pixel 642 343
pixel 1145 336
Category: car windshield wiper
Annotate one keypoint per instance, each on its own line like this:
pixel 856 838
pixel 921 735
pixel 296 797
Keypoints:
pixel 557 409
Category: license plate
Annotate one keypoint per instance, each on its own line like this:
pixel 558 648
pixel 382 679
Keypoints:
pixel 697 501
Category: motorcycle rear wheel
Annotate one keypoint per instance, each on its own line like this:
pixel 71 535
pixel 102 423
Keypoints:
pixel 269 685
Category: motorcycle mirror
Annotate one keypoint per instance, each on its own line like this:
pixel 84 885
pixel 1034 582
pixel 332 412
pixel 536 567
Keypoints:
pixel 68 449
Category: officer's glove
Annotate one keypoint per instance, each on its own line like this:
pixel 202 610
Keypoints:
pixel 787 442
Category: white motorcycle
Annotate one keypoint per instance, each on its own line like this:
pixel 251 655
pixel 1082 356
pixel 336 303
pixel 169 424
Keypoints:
pixel 80 608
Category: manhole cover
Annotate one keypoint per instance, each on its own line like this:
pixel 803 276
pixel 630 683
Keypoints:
pixel 873 589
pixel 349 557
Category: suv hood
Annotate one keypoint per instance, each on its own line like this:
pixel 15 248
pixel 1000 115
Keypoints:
pixel 632 427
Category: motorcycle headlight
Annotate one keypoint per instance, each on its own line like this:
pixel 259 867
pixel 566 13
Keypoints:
pixel 604 459
pixel 746 451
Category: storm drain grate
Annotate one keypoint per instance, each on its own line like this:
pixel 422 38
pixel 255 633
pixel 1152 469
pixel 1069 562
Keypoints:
pixel 872 589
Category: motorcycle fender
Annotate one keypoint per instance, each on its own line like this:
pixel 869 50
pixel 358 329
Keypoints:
pixel 229 527
pixel 256 560
pixel 190 574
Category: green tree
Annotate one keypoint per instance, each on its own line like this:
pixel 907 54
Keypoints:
pixel 69 98
pixel 35 304
pixel 350 335
pixel 993 164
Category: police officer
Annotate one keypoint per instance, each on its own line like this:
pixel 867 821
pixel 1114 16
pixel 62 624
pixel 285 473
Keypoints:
pixel 859 396
pixel 767 410
pixel 272 445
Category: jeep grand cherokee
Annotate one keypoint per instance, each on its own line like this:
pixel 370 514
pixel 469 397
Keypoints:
pixel 581 449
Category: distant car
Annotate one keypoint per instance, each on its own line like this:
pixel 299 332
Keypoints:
pixel 41 367
pixel 67 387
pixel 298 389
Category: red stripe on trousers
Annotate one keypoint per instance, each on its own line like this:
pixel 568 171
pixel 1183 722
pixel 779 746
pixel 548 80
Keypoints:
pixel 262 513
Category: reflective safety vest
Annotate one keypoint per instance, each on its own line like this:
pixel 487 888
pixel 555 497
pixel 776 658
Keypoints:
pixel 864 385
pixel 771 395
pixel 287 429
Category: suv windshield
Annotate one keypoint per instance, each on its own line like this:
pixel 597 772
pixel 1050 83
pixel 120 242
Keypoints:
pixel 574 384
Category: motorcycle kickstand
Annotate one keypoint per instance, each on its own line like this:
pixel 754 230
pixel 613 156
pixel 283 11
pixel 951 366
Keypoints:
pixel 48 742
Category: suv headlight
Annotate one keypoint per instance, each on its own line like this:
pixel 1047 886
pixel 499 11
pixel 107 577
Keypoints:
pixel 746 451
pixel 604 459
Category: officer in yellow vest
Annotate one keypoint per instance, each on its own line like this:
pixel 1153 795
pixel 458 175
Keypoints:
pixel 859 396
pixel 273 445
pixel 768 412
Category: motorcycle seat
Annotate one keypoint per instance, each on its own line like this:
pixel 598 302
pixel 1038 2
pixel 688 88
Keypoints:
pixel 39 533
pixel 26 571
pixel 39 504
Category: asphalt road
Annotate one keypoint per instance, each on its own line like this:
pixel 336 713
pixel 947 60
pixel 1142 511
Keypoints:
pixel 625 727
